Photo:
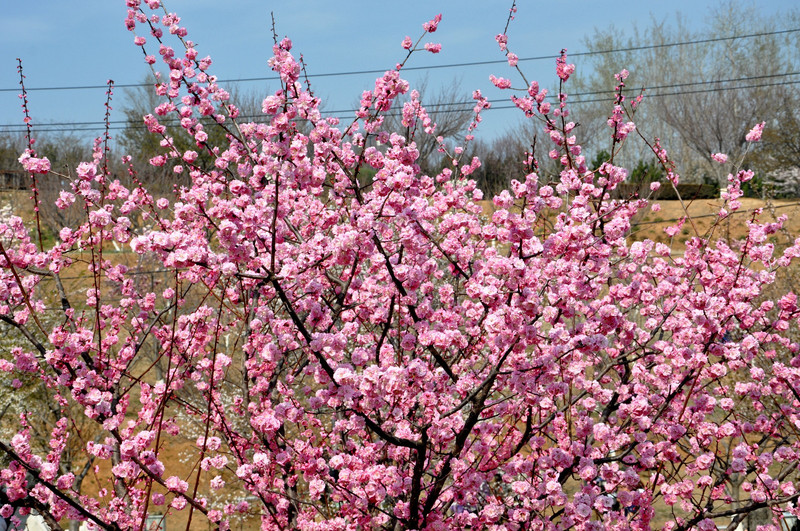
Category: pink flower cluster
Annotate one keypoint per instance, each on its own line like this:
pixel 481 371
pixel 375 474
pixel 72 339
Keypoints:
pixel 722 158
pixel 754 135
pixel 564 70
pixel 33 164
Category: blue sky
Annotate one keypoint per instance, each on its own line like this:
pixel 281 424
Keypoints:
pixel 62 44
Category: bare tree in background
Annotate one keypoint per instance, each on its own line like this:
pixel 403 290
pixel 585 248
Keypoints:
pixel 504 158
pixel 726 85
pixel 11 145
pixel 592 92
pixel 65 151
pixel 714 118
pixel 135 140
pixel 450 108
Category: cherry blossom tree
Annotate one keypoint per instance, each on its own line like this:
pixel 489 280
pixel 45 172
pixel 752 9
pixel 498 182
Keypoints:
pixel 385 356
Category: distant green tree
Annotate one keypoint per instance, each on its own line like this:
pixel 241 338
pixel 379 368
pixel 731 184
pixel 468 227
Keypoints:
pixel 11 146
pixel 601 157
pixel 646 171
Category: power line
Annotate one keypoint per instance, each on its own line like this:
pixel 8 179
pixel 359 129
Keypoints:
pixel 48 128
pixel 684 43
pixel 702 91
pixel 436 67
pixel 692 83
pixel 465 102
pixel 749 211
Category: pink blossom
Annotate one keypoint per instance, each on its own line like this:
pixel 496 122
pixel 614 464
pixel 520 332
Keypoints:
pixel 176 484
pixel 316 488
pixel 502 41
pixel 500 82
pixel 65 199
pixel 432 24
pixel 407 43
pixel 433 47
pixel 34 164
pixel 178 502
pixel 564 70
pixel 722 158
pixel 754 135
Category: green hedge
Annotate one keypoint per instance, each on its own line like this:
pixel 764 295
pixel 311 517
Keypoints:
pixel 688 191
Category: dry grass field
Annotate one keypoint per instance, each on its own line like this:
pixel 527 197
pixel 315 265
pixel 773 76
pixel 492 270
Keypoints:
pixel 702 214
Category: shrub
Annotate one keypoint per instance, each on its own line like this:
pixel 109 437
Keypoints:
pixel 688 192
pixel 383 356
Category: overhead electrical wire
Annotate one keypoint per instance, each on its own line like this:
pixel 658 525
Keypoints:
pixel 125 124
pixel 436 67
pixel 117 125
pixel 471 102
